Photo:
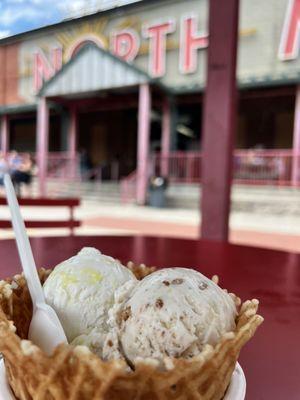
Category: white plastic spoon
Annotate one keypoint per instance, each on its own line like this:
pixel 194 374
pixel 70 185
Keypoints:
pixel 45 328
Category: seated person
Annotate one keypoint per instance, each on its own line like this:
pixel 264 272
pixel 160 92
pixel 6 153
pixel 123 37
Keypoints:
pixel 23 174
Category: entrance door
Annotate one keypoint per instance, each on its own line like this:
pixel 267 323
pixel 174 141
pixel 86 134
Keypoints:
pixel 110 140
pixel 98 144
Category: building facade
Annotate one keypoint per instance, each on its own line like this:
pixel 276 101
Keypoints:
pixel 59 94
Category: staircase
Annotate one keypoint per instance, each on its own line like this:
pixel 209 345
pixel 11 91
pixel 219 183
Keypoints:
pixel 106 192
pixel 266 200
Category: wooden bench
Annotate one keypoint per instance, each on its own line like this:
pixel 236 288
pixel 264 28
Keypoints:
pixel 70 223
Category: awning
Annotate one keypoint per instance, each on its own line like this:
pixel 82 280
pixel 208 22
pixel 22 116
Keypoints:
pixel 248 82
pixel 17 108
pixel 93 69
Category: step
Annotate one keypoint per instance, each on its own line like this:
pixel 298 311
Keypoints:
pixel 248 199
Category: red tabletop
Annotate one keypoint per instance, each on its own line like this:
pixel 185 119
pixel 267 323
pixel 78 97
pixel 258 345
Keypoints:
pixel 271 360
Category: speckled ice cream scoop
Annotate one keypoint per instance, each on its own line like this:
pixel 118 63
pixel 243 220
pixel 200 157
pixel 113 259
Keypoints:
pixel 81 290
pixel 170 313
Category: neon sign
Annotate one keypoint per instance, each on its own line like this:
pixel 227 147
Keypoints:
pixel 44 68
pixel 126 44
pixel 289 42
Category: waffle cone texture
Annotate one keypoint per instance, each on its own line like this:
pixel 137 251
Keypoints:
pixel 74 373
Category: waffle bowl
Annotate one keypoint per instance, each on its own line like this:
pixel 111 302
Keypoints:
pixel 76 373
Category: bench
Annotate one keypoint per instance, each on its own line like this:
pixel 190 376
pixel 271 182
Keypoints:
pixel 70 223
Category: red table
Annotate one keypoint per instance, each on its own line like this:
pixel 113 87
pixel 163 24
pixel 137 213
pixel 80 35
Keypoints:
pixel 271 361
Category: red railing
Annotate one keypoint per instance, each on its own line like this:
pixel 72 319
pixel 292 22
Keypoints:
pixel 249 166
pixel 177 166
pixel 63 166
pixel 263 167
pixel 128 187
pixel 252 167
pixel 60 165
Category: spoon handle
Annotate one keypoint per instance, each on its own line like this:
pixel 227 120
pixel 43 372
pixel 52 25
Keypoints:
pixel 24 248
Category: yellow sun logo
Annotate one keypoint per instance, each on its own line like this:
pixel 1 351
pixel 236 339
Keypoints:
pixel 73 39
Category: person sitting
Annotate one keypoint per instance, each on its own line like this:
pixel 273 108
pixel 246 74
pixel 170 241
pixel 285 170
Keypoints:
pixel 14 161
pixel 23 174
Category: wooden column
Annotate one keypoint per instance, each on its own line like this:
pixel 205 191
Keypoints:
pixel 4 133
pixel 143 142
pixel 219 118
pixel 42 143
pixel 296 141
pixel 72 139
pixel 165 136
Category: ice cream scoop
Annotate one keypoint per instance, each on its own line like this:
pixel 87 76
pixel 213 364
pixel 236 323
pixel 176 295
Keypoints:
pixel 81 291
pixel 173 312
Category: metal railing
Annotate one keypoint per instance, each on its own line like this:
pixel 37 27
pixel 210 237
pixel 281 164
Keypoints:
pixel 251 167
pixel 63 166
pixel 128 187
pixel 109 171
pixel 178 166
pixel 263 167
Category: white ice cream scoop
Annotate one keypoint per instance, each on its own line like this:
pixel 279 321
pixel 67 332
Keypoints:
pixel 81 291
pixel 45 328
pixel 173 312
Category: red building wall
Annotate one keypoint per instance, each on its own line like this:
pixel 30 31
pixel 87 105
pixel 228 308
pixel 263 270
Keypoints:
pixel 2 75
pixel 9 75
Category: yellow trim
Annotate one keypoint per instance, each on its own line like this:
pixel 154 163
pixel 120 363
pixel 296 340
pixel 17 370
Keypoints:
pixel 248 32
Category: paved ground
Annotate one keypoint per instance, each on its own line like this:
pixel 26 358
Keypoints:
pixel 252 228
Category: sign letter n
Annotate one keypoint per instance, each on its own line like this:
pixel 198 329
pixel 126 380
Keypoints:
pixel 45 69
pixel 289 41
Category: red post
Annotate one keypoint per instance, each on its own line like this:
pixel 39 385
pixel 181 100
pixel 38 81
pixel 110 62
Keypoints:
pixel 42 143
pixel 71 220
pixel 72 140
pixel 4 133
pixel 166 136
pixel 219 118
pixel 143 142
pixel 296 141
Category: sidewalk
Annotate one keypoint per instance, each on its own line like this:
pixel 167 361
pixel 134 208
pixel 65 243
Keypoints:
pixel 280 232
pixel 257 229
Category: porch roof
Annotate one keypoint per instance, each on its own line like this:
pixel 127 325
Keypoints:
pixel 93 69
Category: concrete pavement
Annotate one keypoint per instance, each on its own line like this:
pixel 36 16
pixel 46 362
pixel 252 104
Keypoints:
pixel 251 228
